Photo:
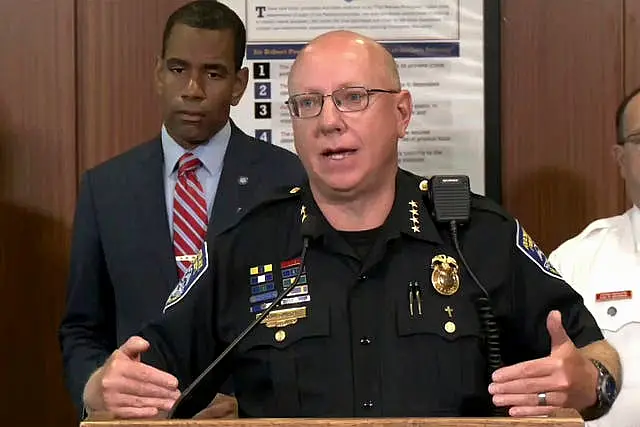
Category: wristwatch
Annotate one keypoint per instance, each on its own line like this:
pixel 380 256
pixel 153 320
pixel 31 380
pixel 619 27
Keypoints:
pixel 606 393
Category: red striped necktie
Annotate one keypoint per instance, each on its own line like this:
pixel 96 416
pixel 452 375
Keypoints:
pixel 189 213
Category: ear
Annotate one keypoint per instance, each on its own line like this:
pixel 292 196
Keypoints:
pixel 157 75
pixel 404 109
pixel 617 151
pixel 240 85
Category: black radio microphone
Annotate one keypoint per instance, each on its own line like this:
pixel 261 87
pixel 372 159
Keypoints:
pixel 450 197
pixel 187 404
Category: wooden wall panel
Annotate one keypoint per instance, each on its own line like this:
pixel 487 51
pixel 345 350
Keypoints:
pixel 37 196
pixel 118 41
pixel 562 64
pixel 632 45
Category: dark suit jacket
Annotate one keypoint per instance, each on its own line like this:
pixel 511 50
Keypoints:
pixel 122 261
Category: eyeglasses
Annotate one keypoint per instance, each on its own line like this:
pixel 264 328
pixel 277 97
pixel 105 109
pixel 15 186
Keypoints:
pixel 346 99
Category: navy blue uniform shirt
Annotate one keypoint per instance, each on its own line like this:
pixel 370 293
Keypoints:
pixel 347 342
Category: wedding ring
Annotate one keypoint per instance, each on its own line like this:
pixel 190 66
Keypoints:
pixel 542 399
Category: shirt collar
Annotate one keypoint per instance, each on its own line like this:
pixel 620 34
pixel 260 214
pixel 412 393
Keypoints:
pixel 211 153
pixel 409 214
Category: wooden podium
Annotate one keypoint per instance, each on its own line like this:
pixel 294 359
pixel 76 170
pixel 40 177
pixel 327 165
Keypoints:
pixel 349 422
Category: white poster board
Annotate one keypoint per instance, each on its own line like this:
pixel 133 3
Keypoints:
pixel 438 46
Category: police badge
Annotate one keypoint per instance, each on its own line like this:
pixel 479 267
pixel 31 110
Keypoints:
pixel 444 275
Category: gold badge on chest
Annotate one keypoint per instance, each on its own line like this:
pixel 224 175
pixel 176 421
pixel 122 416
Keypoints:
pixel 444 275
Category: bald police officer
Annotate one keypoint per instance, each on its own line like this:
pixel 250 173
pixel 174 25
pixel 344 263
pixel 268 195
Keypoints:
pixel 383 319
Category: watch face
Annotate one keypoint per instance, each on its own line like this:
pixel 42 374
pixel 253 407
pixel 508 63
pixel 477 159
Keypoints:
pixel 610 389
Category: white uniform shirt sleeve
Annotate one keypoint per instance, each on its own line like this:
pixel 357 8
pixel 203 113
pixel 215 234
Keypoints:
pixel 601 261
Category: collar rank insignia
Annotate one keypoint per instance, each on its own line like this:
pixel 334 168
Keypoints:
pixel 444 275
pixel 303 213
pixel 197 268
pixel 414 216
pixel 528 247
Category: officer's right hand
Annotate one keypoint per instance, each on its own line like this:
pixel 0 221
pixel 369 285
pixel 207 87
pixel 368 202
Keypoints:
pixel 127 388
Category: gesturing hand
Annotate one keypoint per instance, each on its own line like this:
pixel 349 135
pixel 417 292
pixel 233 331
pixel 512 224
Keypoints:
pixel 127 388
pixel 564 379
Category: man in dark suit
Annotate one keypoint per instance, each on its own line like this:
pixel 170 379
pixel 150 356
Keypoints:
pixel 136 223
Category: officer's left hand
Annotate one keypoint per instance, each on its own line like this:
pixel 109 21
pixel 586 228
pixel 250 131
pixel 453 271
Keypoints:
pixel 566 376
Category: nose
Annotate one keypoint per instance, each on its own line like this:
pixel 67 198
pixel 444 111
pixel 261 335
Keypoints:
pixel 194 88
pixel 330 118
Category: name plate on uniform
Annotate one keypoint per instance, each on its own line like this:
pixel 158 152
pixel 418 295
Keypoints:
pixel 613 296
pixel 284 317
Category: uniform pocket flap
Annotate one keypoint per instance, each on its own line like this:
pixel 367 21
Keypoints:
pixel 448 324
pixel 282 335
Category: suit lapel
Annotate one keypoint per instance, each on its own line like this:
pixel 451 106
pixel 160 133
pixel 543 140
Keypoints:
pixel 153 222
pixel 235 181
pixel 236 184
pixel 149 195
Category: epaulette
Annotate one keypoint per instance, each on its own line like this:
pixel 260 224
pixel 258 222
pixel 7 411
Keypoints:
pixel 272 197
pixel 483 203
pixel 597 225
pixel 276 195
pixel 478 202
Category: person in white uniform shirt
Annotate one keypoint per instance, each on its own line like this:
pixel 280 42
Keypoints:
pixel 603 264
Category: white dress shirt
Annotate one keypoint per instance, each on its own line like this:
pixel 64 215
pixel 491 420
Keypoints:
pixel 602 263
pixel 211 154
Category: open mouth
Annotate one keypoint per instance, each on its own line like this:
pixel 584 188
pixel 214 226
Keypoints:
pixel 338 154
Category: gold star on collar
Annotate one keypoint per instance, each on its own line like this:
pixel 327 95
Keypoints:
pixel 414 216
pixel 303 213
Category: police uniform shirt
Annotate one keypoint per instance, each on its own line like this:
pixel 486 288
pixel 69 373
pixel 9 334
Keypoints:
pixel 347 342
pixel 603 264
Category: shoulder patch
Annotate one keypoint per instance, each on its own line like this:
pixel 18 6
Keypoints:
pixel 525 243
pixel 188 281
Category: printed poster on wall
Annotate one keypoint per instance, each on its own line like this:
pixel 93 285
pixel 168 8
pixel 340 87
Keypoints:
pixel 437 44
